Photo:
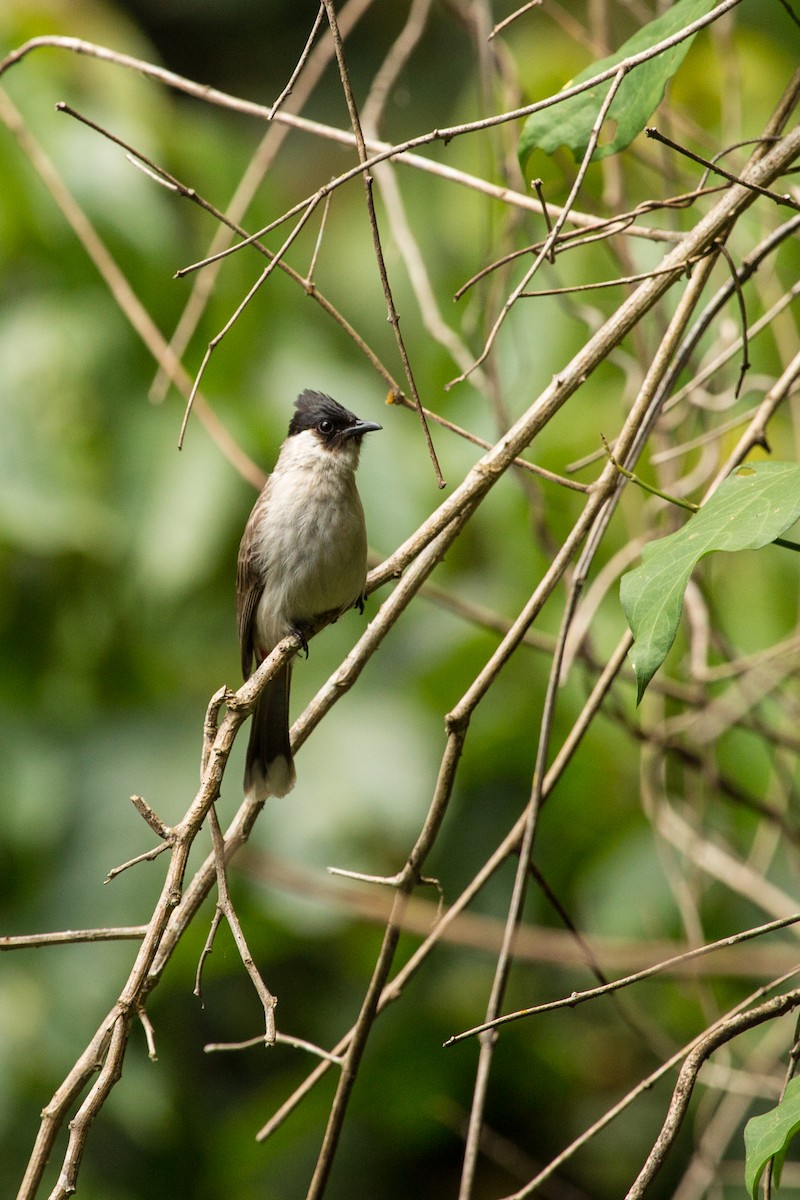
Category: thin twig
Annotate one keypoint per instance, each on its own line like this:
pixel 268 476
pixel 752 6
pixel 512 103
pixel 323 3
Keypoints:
pixel 69 937
pixel 537 186
pixel 149 1033
pixel 208 950
pixel 756 432
pixel 622 281
pixel 784 199
pixel 576 998
pixel 268 1001
pixel 501 25
pixel 281 1039
pixel 301 62
pixel 745 363
pixel 147 856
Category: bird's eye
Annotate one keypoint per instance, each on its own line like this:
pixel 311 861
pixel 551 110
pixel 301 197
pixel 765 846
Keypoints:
pixel 325 426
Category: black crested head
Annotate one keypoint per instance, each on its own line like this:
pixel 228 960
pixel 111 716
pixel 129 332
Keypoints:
pixel 330 420
pixel 313 407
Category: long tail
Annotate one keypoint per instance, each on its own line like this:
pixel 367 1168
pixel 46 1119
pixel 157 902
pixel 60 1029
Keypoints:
pixel 269 769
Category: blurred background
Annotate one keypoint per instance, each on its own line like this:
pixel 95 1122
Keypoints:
pixel 118 557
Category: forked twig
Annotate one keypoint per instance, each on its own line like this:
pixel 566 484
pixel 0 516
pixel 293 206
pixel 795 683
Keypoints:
pixel 225 907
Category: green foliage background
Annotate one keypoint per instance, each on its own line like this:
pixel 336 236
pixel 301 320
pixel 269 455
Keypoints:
pixel 116 617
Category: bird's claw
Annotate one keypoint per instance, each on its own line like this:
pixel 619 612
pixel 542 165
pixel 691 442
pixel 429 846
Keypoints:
pixel 301 638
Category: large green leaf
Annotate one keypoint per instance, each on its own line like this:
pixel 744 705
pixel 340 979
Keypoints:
pixel 570 122
pixel 750 509
pixel 768 1136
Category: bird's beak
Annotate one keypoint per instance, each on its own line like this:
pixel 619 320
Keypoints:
pixel 362 427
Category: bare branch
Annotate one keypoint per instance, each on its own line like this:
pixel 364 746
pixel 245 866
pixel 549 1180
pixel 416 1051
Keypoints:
pixel 67 937
pixel 723 1033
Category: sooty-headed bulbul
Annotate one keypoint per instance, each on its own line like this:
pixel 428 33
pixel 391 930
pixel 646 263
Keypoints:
pixel 303 555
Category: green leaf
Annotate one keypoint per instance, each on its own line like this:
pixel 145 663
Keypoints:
pixel 570 122
pixel 768 1136
pixel 754 505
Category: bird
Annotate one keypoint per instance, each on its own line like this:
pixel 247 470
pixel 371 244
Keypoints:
pixel 303 556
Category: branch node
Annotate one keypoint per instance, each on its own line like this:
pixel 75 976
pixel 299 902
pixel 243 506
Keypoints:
pixel 456 722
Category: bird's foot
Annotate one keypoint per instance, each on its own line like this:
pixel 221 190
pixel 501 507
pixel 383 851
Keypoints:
pixel 301 639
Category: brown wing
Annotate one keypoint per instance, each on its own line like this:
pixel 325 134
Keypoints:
pixel 249 587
